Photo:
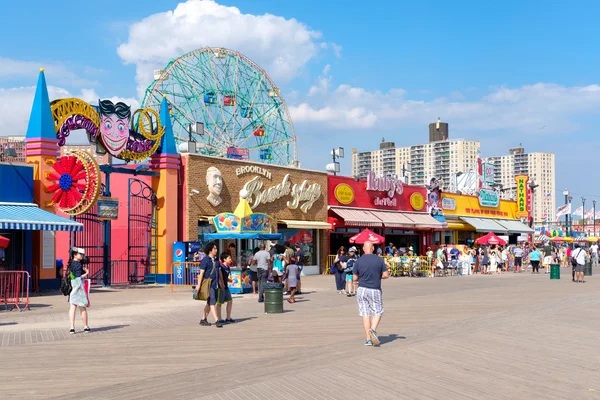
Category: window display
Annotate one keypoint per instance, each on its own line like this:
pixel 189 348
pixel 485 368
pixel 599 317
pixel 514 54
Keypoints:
pixel 306 238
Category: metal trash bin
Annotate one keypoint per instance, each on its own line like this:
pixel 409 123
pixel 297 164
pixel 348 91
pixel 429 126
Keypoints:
pixel 554 271
pixel 273 298
pixel 587 269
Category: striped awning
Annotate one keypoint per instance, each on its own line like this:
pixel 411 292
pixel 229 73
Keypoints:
pixel 29 217
pixel 393 219
pixel 356 217
pixel 426 221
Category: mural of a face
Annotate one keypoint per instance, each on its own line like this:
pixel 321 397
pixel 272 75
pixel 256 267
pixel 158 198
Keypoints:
pixel 114 125
pixel 214 181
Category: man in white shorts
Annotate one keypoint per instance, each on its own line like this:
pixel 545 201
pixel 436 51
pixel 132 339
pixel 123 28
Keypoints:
pixel 368 272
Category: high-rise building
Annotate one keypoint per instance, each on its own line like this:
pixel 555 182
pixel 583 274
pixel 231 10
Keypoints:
pixel 12 142
pixel 539 167
pixel 419 163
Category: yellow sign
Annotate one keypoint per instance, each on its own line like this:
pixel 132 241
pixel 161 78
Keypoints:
pixel 344 193
pixel 417 201
pixel 522 209
pixel 468 206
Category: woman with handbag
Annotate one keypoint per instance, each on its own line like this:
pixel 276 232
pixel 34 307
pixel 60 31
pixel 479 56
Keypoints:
pixel 78 297
pixel 210 280
pixel 339 266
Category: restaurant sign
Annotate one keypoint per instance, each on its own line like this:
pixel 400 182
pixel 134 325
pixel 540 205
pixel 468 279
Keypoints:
pixel 522 206
pixel 387 185
pixel 304 195
pixel 489 198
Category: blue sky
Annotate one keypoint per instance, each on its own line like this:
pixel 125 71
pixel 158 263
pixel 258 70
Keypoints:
pixel 496 71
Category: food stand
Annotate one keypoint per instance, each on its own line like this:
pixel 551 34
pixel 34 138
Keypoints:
pixel 243 224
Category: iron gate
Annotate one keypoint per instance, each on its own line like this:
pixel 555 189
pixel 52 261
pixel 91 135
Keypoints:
pixel 141 226
pixel 91 239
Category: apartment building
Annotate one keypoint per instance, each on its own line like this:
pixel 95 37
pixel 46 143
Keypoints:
pixel 419 163
pixel 12 142
pixel 540 167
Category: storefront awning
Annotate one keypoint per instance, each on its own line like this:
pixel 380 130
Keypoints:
pixel 514 226
pixel 29 217
pixel 394 219
pixel 355 217
pixel 306 224
pixel 484 224
pixel 425 221
pixel 260 236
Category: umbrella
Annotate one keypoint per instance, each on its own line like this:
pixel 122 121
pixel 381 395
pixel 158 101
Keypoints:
pixel 562 239
pixel 367 236
pixel 592 239
pixel 4 242
pixel 542 238
pixel 303 236
pixel 490 238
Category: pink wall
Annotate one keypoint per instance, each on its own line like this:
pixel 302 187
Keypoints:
pixel 119 189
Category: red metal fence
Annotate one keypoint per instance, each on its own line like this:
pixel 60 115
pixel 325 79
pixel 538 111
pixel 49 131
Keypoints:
pixel 14 289
pixel 33 270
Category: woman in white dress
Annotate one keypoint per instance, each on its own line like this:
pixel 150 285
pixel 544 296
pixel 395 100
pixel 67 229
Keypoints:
pixel 493 260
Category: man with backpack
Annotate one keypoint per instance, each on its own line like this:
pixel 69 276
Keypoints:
pixel 578 258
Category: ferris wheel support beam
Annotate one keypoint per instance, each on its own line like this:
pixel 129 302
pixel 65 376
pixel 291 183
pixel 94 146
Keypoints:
pixel 237 70
pixel 212 69
pixel 252 104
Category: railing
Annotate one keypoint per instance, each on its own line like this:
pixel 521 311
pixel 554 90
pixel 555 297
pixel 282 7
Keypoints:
pixel 329 263
pixel 32 269
pixel 14 289
pixel 415 266
pixel 184 274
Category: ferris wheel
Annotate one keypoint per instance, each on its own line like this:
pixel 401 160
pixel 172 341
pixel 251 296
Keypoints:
pixel 227 105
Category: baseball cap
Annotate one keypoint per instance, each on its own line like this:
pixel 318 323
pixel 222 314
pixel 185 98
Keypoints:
pixel 352 249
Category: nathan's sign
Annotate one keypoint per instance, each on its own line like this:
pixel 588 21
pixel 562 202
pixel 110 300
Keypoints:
pixel 522 209
pixel 303 195
pixel 489 198
pixel 389 185
pixel 253 169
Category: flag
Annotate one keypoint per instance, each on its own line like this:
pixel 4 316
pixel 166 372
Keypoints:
pixel 578 212
pixel 563 210
pixel 589 214
pixel 597 214
pixel 548 196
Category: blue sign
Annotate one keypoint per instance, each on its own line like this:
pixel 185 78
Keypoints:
pixel 178 263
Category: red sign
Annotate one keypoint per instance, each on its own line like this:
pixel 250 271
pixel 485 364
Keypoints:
pixel 382 193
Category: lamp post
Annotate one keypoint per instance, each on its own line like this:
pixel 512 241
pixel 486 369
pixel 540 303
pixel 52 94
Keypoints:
pixel 566 193
pixel 532 187
pixel 583 215
pixel 594 216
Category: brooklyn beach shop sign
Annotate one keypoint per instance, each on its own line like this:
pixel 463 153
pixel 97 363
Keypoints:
pixel 304 195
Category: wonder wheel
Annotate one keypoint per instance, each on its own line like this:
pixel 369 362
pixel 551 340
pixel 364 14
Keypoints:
pixel 75 183
pixel 227 104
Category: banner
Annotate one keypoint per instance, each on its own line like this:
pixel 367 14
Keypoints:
pixel 578 212
pixel 563 210
pixel 589 214
pixel 522 209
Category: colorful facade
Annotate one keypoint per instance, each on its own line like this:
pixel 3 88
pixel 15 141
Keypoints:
pixel 383 204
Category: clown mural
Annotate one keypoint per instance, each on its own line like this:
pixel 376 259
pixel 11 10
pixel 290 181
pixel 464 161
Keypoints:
pixel 114 125
pixel 127 136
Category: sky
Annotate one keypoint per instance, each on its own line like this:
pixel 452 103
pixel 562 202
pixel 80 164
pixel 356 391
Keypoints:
pixel 504 73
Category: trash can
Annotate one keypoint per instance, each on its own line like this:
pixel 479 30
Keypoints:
pixel 587 269
pixel 554 271
pixel 273 298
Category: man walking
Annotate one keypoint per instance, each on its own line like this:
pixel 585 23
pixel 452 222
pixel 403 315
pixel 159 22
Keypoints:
pixel 578 255
pixel 518 253
pixel 262 259
pixel 368 272
pixel 594 253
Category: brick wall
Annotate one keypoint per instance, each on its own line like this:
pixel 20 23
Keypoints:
pixel 197 206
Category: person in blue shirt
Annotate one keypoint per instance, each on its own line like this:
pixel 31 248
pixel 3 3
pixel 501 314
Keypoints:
pixel 534 258
pixel 209 268
pixel 224 294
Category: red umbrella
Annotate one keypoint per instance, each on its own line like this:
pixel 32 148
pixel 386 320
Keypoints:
pixel 4 242
pixel 490 238
pixel 303 236
pixel 367 236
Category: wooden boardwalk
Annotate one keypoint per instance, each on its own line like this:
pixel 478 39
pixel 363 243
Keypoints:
pixel 515 336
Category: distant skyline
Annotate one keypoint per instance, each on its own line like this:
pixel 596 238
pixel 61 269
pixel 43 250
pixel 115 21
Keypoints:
pixel 503 73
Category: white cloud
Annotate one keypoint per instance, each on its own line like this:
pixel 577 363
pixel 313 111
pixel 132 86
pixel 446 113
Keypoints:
pixel 56 71
pixel 17 102
pixel 522 110
pixel 281 46
pixel 337 50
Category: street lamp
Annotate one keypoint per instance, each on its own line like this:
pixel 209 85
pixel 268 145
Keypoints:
pixel 335 154
pixel 566 194
pixel 532 187
pixel 594 216
pixel 583 215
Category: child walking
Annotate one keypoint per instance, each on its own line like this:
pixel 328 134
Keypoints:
pixel 292 278
pixel 224 294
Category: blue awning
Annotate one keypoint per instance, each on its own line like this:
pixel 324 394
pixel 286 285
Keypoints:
pixel 29 217
pixel 263 236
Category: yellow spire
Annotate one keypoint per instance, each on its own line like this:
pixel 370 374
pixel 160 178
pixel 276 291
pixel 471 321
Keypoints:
pixel 243 208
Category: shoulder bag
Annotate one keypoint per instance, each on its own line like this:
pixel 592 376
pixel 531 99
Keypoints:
pixel 204 292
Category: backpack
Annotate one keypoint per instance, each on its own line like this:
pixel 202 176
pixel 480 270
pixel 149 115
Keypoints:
pixel 65 283
pixel 574 258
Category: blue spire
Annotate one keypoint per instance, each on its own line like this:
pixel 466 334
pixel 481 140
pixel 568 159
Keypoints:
pixel 168 140
pixel 41 124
